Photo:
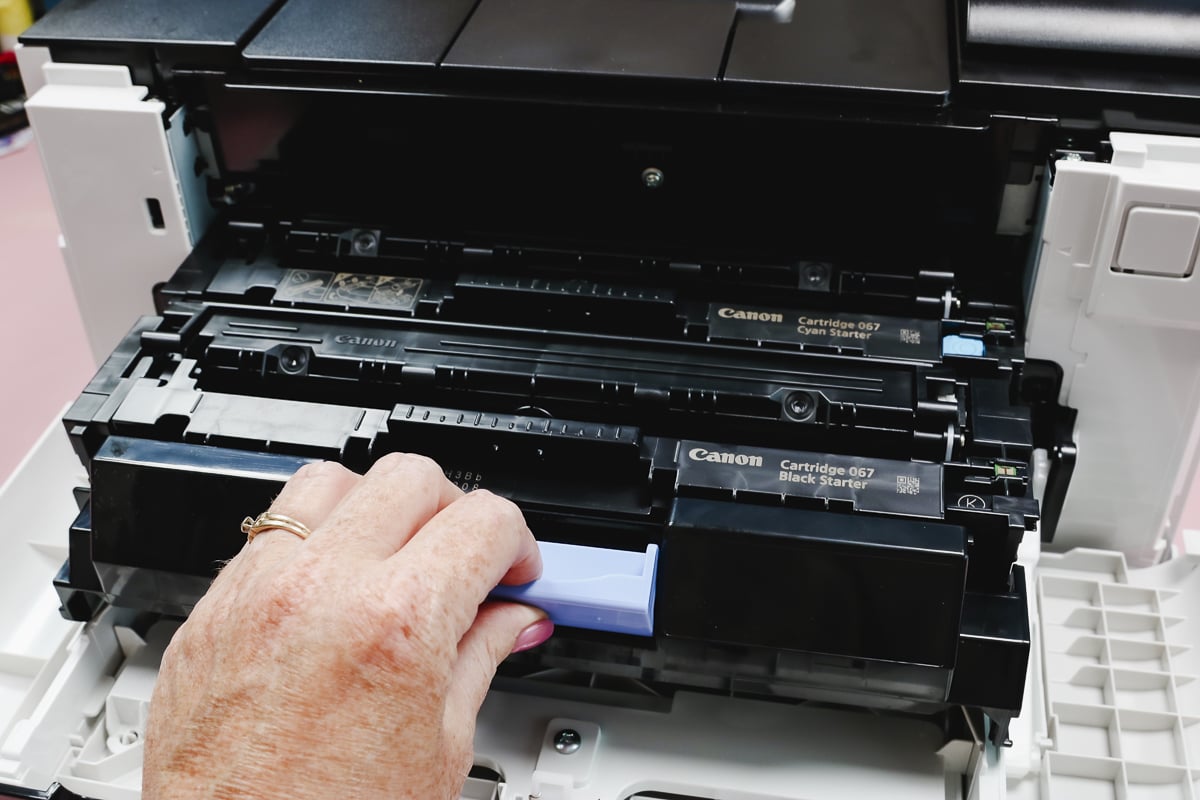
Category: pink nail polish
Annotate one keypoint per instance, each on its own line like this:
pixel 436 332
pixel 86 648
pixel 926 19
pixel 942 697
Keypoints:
pixel 534 635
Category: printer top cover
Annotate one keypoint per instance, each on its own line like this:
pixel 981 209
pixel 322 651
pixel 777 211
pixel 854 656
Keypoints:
pixel 742 282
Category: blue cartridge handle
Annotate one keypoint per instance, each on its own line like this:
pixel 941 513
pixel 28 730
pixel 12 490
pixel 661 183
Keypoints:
pixel 593 588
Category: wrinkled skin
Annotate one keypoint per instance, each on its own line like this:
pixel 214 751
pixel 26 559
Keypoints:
pixel 352 663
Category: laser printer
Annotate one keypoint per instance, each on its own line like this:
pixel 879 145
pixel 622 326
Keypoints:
pixel 844 359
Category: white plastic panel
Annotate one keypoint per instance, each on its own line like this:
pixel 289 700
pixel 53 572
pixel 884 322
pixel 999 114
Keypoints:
pixel 1021 764
pixel 1159 241
pixel 707 746
pixel 1119 679
pixel 1116 303
pixel 186 155
pixel 109 168
pixel 704 746
pixel 48 671
pixel 30 61
pixel 106 756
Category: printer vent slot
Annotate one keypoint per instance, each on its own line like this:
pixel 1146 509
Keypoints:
pixel 154 209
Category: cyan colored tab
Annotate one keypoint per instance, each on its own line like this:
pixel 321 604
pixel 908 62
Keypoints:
pixel 593 588
pixel 955 345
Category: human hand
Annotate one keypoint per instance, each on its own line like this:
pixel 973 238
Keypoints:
pixel 353 662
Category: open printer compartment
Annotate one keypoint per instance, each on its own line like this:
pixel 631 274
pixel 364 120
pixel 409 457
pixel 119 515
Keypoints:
pixel 829 436
pixel 830 355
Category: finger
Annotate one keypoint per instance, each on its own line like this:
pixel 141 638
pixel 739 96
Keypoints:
pixel 388 505
pixel 308 497
pixel 499 629
pixel 471 546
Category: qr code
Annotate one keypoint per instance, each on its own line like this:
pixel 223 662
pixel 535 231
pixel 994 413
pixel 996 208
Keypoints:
pixel 908 484
pixel 910 336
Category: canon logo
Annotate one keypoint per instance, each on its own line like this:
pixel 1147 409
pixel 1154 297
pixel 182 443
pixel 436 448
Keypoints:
pixel 752 316
pixel 715 457
pixel 363 341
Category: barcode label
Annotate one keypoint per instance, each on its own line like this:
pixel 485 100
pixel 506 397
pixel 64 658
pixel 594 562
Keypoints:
pixel 908 484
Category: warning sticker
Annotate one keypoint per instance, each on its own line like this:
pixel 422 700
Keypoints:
pixel 349 289
pixel 302 285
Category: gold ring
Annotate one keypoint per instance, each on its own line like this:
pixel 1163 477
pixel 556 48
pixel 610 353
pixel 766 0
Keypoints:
pixel 266 521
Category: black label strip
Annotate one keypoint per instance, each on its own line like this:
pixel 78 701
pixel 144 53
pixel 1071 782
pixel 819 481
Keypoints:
pixel 886 337
pixel 871 484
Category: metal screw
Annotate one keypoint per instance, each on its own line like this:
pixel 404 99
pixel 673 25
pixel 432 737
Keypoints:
pixel 567 741
pixel 653 177
pixel 365 243
pixel 815 274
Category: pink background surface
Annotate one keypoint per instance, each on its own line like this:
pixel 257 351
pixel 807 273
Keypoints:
pixel 44 356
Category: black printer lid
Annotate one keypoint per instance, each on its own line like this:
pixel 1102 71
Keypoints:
pixel 149 35
pixel 1079 59
pixel 899 49
pixel 1144 28
pixel 213 23
pixel 361 33
pixel 1086 57
pixel 894 48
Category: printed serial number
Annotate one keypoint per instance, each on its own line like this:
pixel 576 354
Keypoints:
pixel 467 481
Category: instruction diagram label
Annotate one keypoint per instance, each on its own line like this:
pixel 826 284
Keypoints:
pixel 349 289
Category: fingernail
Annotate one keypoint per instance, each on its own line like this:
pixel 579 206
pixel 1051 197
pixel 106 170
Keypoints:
pixel 534 635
